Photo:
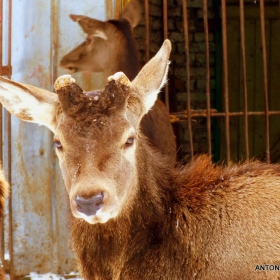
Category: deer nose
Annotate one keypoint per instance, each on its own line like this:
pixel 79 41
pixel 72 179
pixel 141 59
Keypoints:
pixel 89 206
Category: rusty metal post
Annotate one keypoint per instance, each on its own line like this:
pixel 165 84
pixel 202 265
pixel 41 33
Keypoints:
pixel 2 247
pixel 55 41
pixel 207 60
pixel 243 55
pixel 147 24
pixel 165 32
pixel 6 70
pixel 265 89
pixel 9 126
pixel 53 77
pixel 118 8
pixel 225 85
pixel 187 50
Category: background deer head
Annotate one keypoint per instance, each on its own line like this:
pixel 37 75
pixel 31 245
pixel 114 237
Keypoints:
pixel 109 46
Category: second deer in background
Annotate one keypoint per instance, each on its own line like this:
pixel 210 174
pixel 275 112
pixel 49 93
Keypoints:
pixel 110 47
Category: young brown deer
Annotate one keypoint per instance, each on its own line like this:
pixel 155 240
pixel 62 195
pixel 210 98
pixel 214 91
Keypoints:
pixel 110 47
pixel 135 216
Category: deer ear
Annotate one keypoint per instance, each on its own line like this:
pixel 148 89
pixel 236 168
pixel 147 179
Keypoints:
pixel 152 76
pixel 91 26
pixel 132 13
pixel 29 103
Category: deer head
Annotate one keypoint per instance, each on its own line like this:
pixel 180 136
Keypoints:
pixel 96 134
pixel 107 45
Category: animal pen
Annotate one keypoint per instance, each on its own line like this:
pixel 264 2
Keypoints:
pixel 222 96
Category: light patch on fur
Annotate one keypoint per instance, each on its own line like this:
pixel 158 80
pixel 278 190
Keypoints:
pixel 99 217
pixel 121 78
pixel 63 81
pixel 100 34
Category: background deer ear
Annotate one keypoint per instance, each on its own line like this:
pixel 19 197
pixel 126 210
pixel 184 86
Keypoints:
pixel 132 13
pixel 91 26
pixel 29 103
pixel 153 76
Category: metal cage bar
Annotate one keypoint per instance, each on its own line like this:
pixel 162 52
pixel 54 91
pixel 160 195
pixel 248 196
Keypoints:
pixel 187 51
pixel 207 56
pixel 147 35
pixel 165 32
pixel 9 127
pixel 2 247
pixel 7 71
pixel 245 98
pixel 265 89
pixel 225 79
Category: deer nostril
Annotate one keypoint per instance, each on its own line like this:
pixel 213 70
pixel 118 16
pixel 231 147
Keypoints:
pixel 89 206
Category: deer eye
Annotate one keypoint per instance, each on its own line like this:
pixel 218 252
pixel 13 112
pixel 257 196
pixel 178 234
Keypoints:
pixel 129 142
pixel 57 144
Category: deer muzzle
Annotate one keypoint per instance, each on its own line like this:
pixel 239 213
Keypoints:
pixel 89 206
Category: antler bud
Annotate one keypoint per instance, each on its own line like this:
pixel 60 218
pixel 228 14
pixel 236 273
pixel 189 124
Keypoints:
pixel 63 81
pixel 121 78
pixel 70 95
pixel 83 105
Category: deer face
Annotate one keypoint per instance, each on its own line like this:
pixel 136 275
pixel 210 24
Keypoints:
pixel 96 134
pixel 96 148
pixel 92 55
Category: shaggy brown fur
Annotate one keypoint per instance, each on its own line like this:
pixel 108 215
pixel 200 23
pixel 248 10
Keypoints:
pixel 200 222
pixel 135 216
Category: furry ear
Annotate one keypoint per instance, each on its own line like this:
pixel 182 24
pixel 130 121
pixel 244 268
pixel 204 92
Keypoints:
pixel 132 13
pixel 153 76
pixel 29 103
pixel 91 26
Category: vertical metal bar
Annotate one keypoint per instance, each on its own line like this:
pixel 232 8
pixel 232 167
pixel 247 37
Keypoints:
pixel 123 4
pixel 53 69
pixel 10 40
pixel 207 60
pixel 187 50
pixel 225 86
pixel 54 41
pixel 1 31
pixel 243 55
pixel 10 148
pixel 147 24
pixel 265 79
pixel 2 252
pixel 165 31
pixel 110 12
pixel 117 12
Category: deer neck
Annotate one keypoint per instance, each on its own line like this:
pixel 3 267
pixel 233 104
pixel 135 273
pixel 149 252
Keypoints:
pixel 126 55
pixel 130 67
pixel 139 227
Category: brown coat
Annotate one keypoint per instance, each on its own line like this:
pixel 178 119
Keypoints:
pixel 135 216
